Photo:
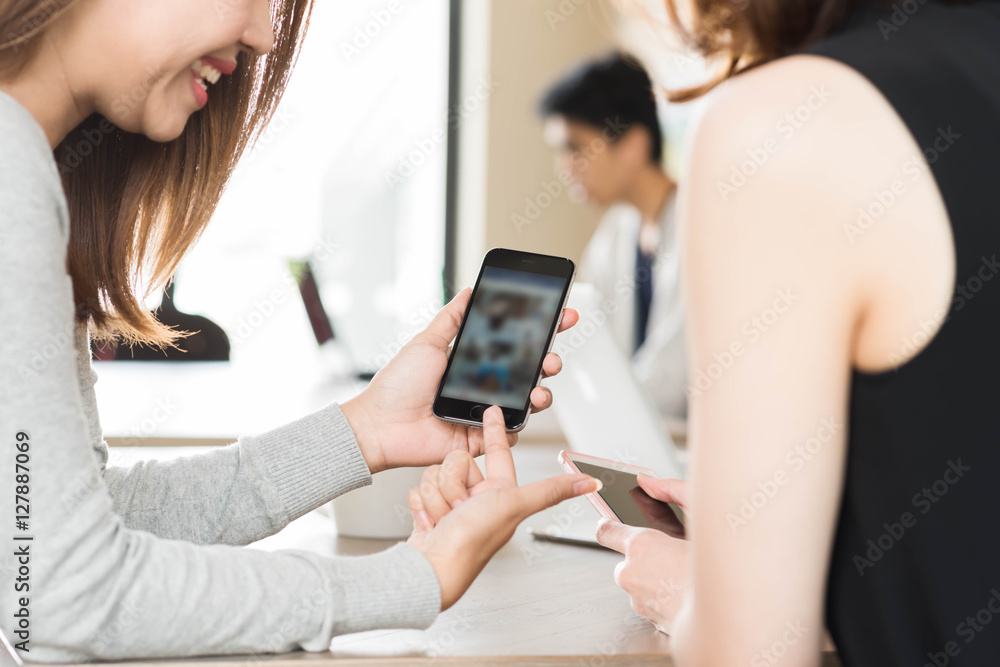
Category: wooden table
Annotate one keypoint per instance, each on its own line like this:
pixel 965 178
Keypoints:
pixel 536 603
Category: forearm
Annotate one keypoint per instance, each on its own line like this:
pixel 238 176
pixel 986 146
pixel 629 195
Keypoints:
pixel 148 598
pixel 98 590
pixel 365 430
pixel 246 491
pixel 693 645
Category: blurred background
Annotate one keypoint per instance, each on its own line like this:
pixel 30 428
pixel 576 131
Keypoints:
pixel 408 144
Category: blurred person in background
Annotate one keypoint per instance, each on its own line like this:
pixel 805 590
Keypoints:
pixel 601 119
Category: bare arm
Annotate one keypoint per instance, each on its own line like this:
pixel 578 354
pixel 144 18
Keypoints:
pixel 782 304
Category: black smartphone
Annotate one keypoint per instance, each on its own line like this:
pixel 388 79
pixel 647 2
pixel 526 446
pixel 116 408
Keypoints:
pixel 508 328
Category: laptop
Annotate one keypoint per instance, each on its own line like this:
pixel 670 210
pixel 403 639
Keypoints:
pixel 601 406
pixel 603 411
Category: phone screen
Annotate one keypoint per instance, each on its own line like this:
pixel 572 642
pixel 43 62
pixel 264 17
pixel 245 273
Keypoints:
pixel 496 359
pixel 630 503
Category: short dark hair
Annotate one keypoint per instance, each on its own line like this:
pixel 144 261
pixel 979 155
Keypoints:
pixel 614 88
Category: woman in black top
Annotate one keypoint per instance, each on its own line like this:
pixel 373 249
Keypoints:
pixel 842 236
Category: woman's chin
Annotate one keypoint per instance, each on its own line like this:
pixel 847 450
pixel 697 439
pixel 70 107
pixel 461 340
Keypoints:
pixel 167 129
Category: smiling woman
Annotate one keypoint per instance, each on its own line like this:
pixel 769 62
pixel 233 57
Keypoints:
pixel 141 145
pixel 139 561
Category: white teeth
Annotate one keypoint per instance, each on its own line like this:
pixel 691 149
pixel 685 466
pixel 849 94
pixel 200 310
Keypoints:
pixel 209 73
pixel 206 72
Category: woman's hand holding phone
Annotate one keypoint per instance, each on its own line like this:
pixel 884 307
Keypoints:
pixel 461 518
pixel 655 570
pixel 499 351
pixel 392 418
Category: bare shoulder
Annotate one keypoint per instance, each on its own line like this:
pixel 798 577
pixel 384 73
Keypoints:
pixel 804 162
pixel 804 115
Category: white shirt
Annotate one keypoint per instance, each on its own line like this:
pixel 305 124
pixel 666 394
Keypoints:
pixel 609 264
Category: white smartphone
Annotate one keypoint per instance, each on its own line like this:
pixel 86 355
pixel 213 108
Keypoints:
pixel 621 498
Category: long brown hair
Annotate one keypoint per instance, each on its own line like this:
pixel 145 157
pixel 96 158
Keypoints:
pixel 136 206
pixel 747 33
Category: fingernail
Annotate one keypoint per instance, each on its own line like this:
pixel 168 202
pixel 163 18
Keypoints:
pixel 588 486
pixel 426 519
pixel 456 503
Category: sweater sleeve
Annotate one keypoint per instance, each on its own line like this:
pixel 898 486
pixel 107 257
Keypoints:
pixel 90 586
pixel 235 495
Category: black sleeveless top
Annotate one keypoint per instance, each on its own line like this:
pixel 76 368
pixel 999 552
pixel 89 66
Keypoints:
pixel 915 574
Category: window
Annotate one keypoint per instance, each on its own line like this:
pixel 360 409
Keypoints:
pixel 351 173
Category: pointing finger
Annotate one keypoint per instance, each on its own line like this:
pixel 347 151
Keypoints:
pixel 499 461
pixel 552 491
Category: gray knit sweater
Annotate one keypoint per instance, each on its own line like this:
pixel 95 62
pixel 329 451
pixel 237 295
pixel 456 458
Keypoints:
pixel 144 562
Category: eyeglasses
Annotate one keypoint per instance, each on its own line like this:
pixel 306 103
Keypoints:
pixel 8 650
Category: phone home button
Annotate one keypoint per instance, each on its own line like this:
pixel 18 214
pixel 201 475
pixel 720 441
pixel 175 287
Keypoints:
pixel 477 412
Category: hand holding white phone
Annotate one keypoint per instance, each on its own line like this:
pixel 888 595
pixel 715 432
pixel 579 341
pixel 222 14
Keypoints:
pixel 622 497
